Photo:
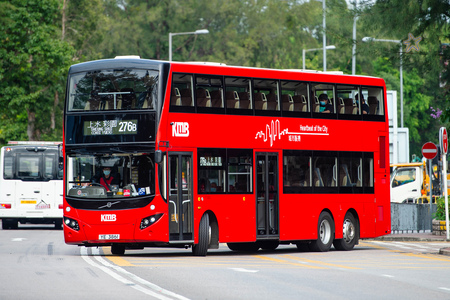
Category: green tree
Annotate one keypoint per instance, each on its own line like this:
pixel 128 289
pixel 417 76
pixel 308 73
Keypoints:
pixel 32 59
pixel 83 25
pixel 423 70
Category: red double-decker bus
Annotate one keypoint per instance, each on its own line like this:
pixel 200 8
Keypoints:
pixel 194 154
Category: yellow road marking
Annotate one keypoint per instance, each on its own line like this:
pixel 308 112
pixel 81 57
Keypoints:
pixel 320 262
pixel 287 262
pixel 429 256
pixel 120 261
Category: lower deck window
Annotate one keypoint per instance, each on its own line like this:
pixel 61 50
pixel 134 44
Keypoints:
pixel 327 172
pixel 225 170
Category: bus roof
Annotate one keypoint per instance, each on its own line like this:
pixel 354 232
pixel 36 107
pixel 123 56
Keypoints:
pixel 138 62
pixel 33 143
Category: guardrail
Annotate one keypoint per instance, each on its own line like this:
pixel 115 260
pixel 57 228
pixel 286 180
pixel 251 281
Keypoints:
pixel 411 217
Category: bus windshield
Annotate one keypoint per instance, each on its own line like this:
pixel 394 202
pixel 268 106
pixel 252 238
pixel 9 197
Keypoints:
pixel 119 175
pixel 31 164
pixel 126 89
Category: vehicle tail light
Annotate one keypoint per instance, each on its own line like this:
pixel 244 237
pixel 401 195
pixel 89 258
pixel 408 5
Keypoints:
pixel 5 205
pixel 61 206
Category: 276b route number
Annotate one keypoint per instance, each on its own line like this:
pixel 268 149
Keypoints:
pixel 127 126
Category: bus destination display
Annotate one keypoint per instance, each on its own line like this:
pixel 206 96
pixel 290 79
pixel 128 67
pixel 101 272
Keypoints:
pixel 110 127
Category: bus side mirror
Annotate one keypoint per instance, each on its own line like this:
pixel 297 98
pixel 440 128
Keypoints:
pixel 61 163
pixel 158 156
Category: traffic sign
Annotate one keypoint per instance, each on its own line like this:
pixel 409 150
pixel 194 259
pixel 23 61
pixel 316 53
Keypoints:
pixel 429 150
pixel 443 140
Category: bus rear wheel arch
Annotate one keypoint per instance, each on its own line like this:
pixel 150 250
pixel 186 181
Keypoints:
pixel 325 233
pixel 350 233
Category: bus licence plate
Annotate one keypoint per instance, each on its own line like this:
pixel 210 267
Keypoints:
pixel 109 236
pixel 28 202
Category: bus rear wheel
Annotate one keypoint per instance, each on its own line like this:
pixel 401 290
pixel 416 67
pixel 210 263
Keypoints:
pixel 58 224
pixel 118 249
pixel 204 237
pixel 269 245
pixel 10 224
pixel 325 233
pixel 350 234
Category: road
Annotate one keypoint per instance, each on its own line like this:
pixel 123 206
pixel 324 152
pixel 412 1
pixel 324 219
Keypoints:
pixel 36 264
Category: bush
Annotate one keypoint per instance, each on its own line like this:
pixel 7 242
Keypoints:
pixel 440 209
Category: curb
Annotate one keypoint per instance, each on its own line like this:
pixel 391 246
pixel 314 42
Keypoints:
pixel 444 251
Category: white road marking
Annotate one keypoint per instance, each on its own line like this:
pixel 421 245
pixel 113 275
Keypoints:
pixel 445 289
pixel 113 270
pixel 18 239
pixel 410 246
pixel 244 270
pixel 389 276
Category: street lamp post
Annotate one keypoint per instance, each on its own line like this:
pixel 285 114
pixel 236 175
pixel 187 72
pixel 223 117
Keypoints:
pixel 307 50
pixel 200 31
pixel 324 37
pixel 355 18
pixel 369 39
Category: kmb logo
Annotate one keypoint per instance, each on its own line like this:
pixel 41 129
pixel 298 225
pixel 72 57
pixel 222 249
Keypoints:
pixel 108 218
pixel 180 129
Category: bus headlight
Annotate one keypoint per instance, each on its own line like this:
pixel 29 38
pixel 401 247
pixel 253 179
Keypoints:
pixel 71 223
pixel 145 222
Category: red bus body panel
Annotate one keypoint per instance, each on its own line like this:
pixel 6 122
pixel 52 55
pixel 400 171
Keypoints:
pixel 236 213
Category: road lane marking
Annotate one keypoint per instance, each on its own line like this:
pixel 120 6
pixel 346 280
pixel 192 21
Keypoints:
pixel 370 244
pixel 287 262
pixel 319 262
pixel 429 256
pixel 18 239
pixel 244 270
pixel 150 289
pixel 119 261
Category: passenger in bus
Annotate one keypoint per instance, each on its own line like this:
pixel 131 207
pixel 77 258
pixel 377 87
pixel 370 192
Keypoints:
pixel 325 106
pixel 364 107
pixel 106 179
pixel 213 187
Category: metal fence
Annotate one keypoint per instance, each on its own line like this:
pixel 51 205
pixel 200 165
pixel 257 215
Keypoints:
pixel 411 217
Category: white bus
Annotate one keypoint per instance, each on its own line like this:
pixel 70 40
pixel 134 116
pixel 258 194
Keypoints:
pixel 31 186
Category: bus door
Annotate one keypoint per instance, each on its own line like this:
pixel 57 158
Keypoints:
pixel 180 197
pixel 267 195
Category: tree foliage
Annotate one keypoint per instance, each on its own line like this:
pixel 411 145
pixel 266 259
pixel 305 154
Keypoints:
pixel 41 38
pixel 32 59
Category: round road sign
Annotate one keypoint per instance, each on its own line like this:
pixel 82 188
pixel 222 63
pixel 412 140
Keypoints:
pixel 429 150
pixel 444 140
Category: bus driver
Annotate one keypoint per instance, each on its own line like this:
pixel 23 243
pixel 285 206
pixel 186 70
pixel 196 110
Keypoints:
pixel 106 179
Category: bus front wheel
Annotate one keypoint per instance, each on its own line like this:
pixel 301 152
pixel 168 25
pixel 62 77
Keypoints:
pixel 350 234
pixel 204 237
pixel 118 249
pixel 325 233
pixel 10 224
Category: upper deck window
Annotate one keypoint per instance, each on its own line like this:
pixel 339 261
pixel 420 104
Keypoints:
pixel 125 89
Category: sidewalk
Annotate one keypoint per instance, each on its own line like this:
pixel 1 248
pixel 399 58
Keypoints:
pixel 418 237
